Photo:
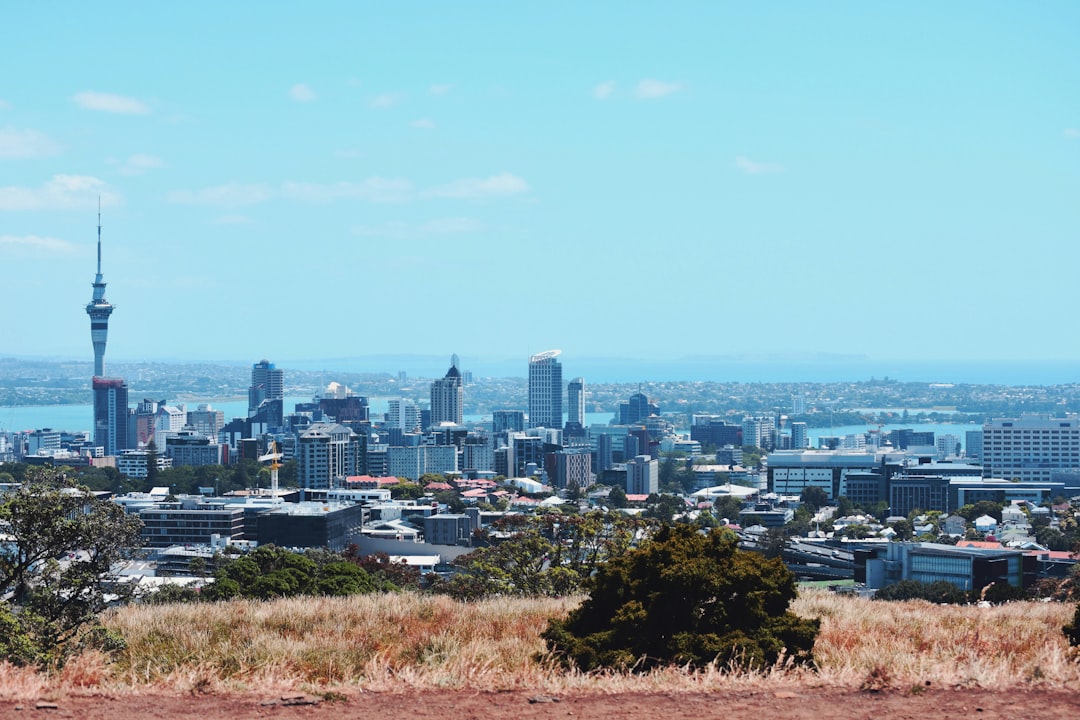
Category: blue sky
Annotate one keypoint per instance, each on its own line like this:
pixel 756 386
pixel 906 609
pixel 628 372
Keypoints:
pixel 894 180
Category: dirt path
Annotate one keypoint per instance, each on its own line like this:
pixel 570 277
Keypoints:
pixel 819 704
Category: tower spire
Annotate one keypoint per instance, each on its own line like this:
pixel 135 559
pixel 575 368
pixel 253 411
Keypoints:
pixel 99 310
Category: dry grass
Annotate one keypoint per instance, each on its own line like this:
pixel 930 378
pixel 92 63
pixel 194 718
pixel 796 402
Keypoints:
pixel 397 642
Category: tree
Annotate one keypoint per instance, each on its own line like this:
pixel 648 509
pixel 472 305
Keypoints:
pixel 57 561
pixel 939 592
pixel 814 498
pixel 617 497
pixel 151 463
pixel 685 598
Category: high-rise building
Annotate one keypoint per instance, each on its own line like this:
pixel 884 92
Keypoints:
pixel 545 390
pixel 575 401
pixel 798 435
pixel 267 383
pixel 503 421
pixel 328 453
pixel 1031 447
pixel 447 396
pixel 403 415
pixel 111 414
pixel 642 475
pixel 99 311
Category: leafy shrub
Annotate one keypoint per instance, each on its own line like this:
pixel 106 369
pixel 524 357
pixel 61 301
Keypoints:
pixel 1072 630
pixel 939 591
pixel 687 598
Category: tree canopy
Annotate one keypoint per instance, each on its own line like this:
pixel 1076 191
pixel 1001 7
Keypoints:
pixel 688 598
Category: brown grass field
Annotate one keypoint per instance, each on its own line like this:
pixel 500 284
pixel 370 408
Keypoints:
pixel 406 643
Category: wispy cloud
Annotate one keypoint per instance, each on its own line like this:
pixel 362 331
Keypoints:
pixel 4 105
pixel 1072 133
pixel 649 89
pixel 34 245
pixel 751 167
pixel 139 163
pixel 396 230
pixel 302 92
pixel 440 89
pixel 604 90
pixel 59 193
pixel 500 185
pixel 386 100
pixel 228 195
pixel 27 143
pixel 373 189
pixel 111 103
pixel 423 124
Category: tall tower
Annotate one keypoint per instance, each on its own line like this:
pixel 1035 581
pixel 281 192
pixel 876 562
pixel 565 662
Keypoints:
pixel 575 401
pixel 447 396
pixel 545 390
pixel 99 311
pixel 267 383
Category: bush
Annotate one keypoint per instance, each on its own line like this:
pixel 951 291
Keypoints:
pixel 939 592
pixel 686 598
pixel 1072 630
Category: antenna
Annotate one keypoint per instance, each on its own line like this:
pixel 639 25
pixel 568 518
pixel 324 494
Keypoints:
pixel 99 236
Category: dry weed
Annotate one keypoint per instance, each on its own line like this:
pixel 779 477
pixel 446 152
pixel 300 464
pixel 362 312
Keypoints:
pixel 398 642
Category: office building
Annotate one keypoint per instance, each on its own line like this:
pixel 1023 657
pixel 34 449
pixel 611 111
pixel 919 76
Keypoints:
pixel 111 414
pixel 569 467
pixel 1031 447
pixel 267 383
pixel 576 407
pixel 327 454
pixel 447 396
pixel 188 447
pixel 504 421
pixel 403 415
pixel 206 420
pixel 973 444
pixel 642 475
pixel 545 390
pixel 798 436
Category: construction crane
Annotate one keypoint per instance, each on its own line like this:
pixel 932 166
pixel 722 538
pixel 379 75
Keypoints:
pixel 273 456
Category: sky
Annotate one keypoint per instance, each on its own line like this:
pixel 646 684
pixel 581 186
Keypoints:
pixel 614 179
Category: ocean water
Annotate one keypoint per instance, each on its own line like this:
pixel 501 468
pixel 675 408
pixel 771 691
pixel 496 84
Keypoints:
pixel 771 368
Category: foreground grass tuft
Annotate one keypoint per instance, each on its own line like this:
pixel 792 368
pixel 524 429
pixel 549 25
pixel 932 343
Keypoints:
pixel 407 641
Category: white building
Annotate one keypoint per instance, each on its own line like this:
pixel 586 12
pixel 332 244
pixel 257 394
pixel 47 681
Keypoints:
pixel 642 475
pixel 1031 447
pixel 328 453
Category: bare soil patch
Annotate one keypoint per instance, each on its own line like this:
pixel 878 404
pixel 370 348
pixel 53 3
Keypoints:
pixel 793 703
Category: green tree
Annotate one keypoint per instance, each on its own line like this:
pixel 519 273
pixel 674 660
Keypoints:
pixel 152 463
pixel 684 598
pixel 617 497
pixel 939 592
pixel 58 558
pixel 814 498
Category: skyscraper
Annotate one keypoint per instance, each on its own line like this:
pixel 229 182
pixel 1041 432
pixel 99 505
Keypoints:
pixel 111 414
pixel 267 383
pixel 545 390
pixel 99 311
pixel 447 396
pixel 575 401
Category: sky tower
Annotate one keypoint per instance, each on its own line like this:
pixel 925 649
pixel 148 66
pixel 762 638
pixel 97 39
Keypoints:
pixel 99 311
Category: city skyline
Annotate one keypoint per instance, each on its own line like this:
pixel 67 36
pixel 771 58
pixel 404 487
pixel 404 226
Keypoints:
pixel 880 179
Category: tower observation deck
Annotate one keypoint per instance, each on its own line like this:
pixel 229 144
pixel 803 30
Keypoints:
pixel 99 311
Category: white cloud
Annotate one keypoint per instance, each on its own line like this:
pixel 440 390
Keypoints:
pixel 373 189
pixel 423 124
pixel 4 105
pixel 139 163
pixel 109 102
pixel 302 92
pixel 25 144
pixel 750 167
pixel 35 245
pixel 604 90
pixel 397 230
pixel 649 89
pixel 440 89
pixel 228 195
pixel 1072 133
pixel 386 100
pixel 61 192
pixel 500 185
